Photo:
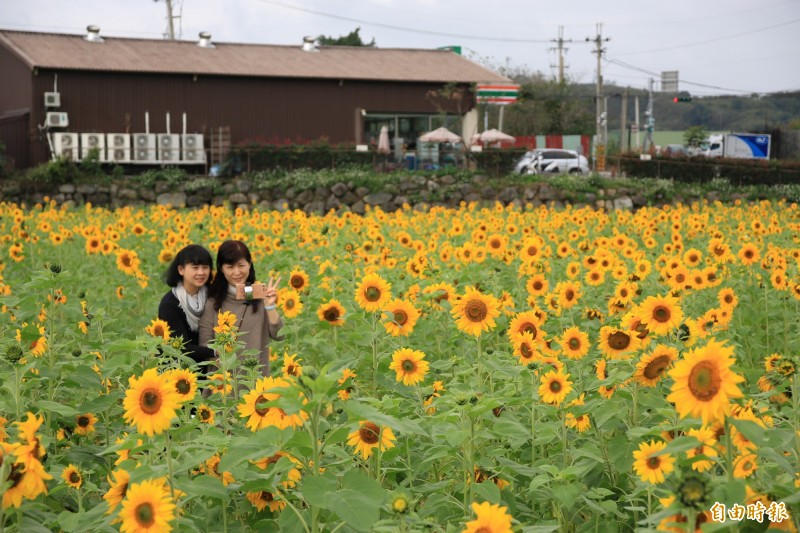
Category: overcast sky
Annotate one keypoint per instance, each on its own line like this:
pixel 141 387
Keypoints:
pixel 718 46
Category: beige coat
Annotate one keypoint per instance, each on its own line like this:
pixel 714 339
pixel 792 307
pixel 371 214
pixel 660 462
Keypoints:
pixel 255 328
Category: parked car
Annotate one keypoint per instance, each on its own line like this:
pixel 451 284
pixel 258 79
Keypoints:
pixel 675 150
pixel 552 160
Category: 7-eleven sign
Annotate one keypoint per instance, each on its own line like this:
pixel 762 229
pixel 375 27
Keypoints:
pixel 500 94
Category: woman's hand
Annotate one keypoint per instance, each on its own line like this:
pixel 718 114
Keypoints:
pixel 271 296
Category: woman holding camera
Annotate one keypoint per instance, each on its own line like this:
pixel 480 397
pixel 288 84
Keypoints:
pixel 254 306
pixel 189 275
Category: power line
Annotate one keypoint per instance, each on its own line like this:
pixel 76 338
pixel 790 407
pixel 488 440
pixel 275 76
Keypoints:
pixel 405 29
pixel 696 84
pixel 711 40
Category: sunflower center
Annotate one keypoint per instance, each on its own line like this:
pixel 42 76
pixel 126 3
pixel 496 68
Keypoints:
pixel 205 414
pixel 409 366
pixel 289 304
pixel 656 367
pixel 532 250
pixel 183 386
pixel 83 421
pixel 158 330
pixel 331 315
pixel 476 310
pixel 619 340
pixel 728 299
pixel 527 327
pixel 748 254
pixel 661 314
pixel 555 386
pixel 400 317
pixel 296 282
pixel 291 370
pixel 484 529
pixel 150 401
pixel 372 294
pixel 267 496
pixel 126 260
pixel 369 433
pixel 569 295
pixel 260 406
pixel 653 462
pixel 525 350
pixel 704 381
pixel 145 515
pixel 574 343
pixel 74 477
pixel 747 465
pixel 538 285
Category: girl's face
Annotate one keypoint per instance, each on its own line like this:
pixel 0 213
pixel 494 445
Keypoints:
pixel 194 276
pixel 236 273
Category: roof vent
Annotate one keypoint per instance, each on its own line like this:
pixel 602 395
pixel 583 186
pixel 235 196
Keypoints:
pixel 93 34
pixel 205 40
pixel 310 44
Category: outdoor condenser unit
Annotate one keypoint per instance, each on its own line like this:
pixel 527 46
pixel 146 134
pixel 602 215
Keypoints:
pixel 169 147
pixel 119 147
pixel 144 147
pixel 192 148
pixel 90 141
pixel 56 119
pixel 65 145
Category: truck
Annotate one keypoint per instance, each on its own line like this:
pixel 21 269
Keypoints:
pixel 739 145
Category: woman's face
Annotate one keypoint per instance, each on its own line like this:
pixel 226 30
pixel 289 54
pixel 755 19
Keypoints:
pixel 194 276
pixel 236 273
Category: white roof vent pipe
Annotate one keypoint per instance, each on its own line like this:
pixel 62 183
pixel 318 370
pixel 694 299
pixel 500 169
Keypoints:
pixel 310 44
pixel 205 40
pixel 93 34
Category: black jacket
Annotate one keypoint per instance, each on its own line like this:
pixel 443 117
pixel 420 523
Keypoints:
pixel 170 311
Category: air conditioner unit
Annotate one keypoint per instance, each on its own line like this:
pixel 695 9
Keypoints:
pixel 56 119
pixel 52 99
pixel 90 141
pixel 65 145
pixel 144 146
pixel 169 147
pixel 192 148
pixel 119 147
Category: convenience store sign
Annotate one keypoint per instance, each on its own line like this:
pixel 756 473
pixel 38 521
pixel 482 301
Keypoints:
pixel 497 94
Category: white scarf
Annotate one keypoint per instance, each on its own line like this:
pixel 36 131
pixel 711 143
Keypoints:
pixel 192 305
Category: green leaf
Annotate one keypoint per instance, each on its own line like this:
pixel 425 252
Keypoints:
pixel 317 489
pixel 487 491
pixel 360 482
pixel 263 443
pixel 566 493
pixel 359 510
pixel 63 410
pixel 208 486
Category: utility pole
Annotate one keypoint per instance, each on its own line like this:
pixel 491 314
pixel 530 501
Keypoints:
pixel 170 34
pixel 600 146
pixel 651 120
pixel 623 119
pixel 560 42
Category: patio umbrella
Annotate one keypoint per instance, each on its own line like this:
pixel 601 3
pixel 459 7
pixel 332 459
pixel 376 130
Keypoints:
pixel 383 141
pixel 495 135
pixel 440 135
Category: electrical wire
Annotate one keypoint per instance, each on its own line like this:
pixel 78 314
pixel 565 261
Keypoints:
pixel 623 64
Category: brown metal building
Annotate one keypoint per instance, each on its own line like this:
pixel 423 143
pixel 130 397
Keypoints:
pixel 262 93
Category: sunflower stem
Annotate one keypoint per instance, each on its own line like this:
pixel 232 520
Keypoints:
pixel 374 354
pixel 170 467
pixel 299 516
pixel 728 449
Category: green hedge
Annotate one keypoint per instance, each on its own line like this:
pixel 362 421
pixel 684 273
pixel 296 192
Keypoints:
pixel 702 170
pixel 317 155
pixel 497 162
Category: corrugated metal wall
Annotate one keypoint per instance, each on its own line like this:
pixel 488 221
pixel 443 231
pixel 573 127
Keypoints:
pixel 256 109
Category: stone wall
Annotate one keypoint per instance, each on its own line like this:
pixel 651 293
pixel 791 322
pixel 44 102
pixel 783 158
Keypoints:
pixel 418 191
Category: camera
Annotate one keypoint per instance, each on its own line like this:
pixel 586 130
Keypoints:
pixel 256 291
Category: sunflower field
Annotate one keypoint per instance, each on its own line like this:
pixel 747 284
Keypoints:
pixel 482 369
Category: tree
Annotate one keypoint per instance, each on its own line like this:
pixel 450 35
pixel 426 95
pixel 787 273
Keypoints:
pixel 695 135
pixel 351 39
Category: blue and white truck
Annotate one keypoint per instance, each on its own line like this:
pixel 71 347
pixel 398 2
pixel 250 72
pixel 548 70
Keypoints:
pixel 739 145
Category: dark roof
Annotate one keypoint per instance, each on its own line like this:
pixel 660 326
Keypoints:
pixel 73 52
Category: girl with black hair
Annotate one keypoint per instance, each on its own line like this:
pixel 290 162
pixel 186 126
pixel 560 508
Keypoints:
pixel 189 275
pixel 258 320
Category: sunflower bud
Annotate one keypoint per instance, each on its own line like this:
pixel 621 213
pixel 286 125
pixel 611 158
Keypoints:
pixel 693 492
pixel 13 353
pixel 55 268
pixel 250 363
pixel 76 352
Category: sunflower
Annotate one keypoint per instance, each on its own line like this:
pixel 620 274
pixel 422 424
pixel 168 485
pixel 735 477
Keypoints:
pixel 661 314
pixel 475 312
pixel 490 518
pixel 708 440
pixel 526 322
pixel 291 366
pixel 704 384
pixel 402 317
pixel 373 293
pixel 261 415
pixel 370 436
pixel 205 414
pixel 744 465
pixel 409 366
pixel 262 499
pixel 128 262
pixel 554 387
pixel 748 254
pixel 147 508
pixel 346 381
pixel 331 312
pixel 158 328
pixel 568 292
pixel 298 280
pixel 574 343
pixel 165 256
pixel 120 292
pixel 16 253
pixel 150 402
pixel 652 366
pixel 289 300
pixel 440 292
pixel 93 244
pixel 117 489
pixel 689 332
pixel 225 322
pixel 651 465
pixel 185 383
pixel 72 476
pixel 211 468
pixel 525 348
pixel 617 343
pixel 537 285
pixel 84 424
pixel 217 383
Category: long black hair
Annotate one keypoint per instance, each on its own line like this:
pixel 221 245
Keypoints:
pixel 229 253
pixel 194 254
